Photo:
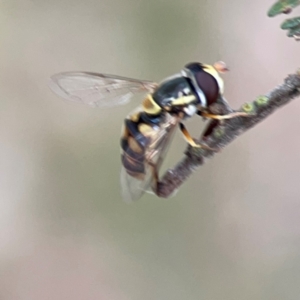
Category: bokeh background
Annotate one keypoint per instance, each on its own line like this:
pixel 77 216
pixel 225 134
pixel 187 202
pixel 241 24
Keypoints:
pixel 231 232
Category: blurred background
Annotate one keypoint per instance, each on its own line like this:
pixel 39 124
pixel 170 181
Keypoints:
pixel 233 229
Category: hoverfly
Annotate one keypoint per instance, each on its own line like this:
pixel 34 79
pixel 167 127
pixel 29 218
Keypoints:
pixel 148 131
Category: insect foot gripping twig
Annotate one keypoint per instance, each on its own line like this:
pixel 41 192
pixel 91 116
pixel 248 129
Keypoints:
pixel 218 135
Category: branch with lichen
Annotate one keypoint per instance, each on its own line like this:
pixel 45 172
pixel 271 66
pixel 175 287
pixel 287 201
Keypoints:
pixel 219 134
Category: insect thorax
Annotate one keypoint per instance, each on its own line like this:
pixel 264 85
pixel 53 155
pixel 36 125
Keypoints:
pixel 175 93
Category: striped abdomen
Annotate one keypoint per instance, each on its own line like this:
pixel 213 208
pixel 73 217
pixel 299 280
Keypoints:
pixel 140 130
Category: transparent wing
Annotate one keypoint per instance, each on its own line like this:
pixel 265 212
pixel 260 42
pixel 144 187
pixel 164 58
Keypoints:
pixel 133 188
pixel 97 89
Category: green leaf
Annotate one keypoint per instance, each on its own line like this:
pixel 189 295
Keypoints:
pixel 282 7
pixel 294 32
pixel 290 23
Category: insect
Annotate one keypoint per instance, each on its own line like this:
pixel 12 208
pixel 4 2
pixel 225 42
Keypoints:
pixel 148 131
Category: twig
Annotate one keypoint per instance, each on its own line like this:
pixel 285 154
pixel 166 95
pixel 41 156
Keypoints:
pixel 219 135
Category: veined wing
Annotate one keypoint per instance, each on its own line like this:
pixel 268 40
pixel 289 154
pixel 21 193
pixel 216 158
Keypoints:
pixel 133 188
pixel 96 89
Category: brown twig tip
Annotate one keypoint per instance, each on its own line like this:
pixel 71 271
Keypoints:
pixel 219 134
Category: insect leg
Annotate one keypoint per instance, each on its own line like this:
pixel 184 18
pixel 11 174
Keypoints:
pixel 190 140
pixel 222 117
